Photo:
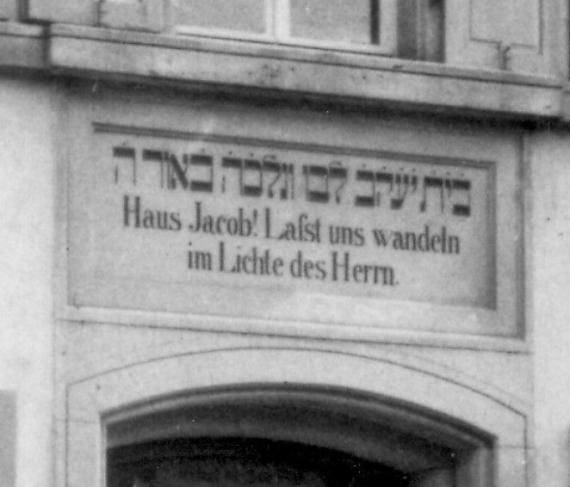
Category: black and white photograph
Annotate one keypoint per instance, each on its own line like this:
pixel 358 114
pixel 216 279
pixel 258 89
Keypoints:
pixel 285 243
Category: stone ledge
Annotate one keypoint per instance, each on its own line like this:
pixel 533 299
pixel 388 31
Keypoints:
pixel 22 46
pixel 114 54
pixel 332 76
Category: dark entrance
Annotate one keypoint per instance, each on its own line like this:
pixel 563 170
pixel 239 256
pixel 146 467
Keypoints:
pixel 234 462
pixel 289 435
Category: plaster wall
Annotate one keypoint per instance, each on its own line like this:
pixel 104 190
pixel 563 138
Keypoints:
pixel 27 148
pixel 549 284
pixel 110 359
pixel 30 132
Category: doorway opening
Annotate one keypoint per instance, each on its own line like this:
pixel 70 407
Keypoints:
pixel 239 462
pixel 291 436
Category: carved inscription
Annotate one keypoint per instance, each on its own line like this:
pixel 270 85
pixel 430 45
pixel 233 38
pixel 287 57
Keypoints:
pixel 266 177
pixel 237 213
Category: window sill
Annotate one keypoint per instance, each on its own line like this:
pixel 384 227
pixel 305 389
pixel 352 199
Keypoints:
pixel 331 75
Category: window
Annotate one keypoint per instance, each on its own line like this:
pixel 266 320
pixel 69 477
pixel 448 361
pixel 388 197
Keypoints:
pixel 354 22
pixel 355 25
pixel 412 29
pixel 248 17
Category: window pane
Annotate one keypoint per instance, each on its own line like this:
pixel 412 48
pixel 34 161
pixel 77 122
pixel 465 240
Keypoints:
pixel 238 15
pixel 349 21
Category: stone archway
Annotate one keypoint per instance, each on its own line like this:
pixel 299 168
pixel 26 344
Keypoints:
pixel 392 411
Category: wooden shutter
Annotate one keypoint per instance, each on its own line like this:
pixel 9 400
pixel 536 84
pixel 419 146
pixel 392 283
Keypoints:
pixel 66 11
pixel 505 34
pixel 388 26
pixel 421 30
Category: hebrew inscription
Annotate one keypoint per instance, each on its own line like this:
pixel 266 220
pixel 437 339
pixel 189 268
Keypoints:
pixel 222 211
pixel 264 176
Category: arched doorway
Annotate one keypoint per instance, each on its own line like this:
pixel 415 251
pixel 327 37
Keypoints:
pixel 291 435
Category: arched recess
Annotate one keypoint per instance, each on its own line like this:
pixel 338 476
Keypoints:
pixel 424 448
pixel 439 432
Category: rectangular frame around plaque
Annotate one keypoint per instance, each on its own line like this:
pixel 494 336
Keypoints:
pixel 312 305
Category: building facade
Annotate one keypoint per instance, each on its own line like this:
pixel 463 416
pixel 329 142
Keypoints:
pixel 297 242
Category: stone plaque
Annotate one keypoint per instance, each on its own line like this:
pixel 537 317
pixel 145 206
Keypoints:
pixel 176 219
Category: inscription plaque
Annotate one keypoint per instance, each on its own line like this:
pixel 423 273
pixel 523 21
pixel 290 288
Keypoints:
pixel 191 210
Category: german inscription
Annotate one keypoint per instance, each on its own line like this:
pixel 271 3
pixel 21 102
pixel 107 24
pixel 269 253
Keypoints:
pixel 223 211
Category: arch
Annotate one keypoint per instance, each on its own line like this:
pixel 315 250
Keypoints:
pixel 400 436
pixel 376 397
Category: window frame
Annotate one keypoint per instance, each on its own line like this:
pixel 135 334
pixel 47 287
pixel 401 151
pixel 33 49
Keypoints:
pixel 278 31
